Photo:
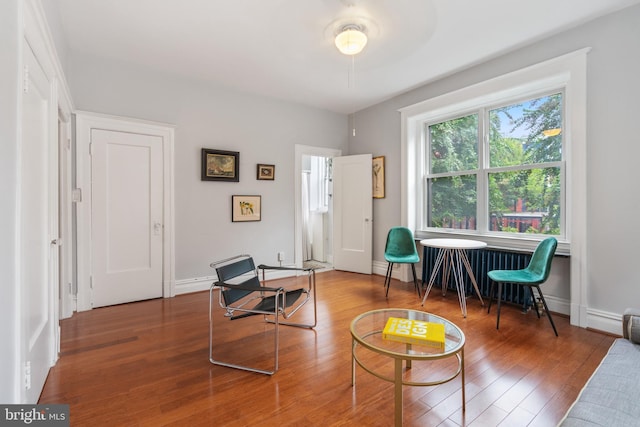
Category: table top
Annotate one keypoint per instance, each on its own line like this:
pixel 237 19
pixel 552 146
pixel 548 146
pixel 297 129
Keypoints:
pixel 367 328
pixel 453 243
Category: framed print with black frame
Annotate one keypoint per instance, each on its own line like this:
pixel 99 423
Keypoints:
pixel 219 165
pixel 246 208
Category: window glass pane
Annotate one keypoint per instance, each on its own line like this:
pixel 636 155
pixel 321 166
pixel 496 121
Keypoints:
pixel 452 202
pixel 526 133
pixel 525 201
pixel 454 145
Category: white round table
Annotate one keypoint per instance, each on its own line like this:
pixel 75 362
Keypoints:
pixel 452 253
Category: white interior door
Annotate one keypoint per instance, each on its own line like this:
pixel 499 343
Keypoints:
pixel 352 213
pixel 38 249
pixel 126 222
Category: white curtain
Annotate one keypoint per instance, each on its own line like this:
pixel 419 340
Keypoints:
pixel 306 241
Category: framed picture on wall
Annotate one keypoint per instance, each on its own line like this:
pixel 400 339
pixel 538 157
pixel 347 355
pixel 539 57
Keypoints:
pixel 377 175
pixel 246 208
pixel 219 165
pixel 266 172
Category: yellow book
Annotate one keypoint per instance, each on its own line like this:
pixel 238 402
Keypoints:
pixel 414 332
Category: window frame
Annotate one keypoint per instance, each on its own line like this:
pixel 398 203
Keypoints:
pixel 483 168
pixel 566 73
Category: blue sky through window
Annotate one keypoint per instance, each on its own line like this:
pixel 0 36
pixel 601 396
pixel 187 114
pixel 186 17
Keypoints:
pixel 506 124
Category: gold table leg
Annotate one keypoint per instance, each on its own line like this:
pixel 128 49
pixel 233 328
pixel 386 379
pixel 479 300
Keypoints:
pixel 398 393
pixel 464 400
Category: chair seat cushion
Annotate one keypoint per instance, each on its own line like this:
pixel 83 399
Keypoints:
pixel 515 276
pixel 403 259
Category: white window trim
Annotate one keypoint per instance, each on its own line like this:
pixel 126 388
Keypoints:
pixel 569 72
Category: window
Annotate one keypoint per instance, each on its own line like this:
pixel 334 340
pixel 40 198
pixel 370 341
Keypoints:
pixel 320 171
pixel 511 184
pixel 503 159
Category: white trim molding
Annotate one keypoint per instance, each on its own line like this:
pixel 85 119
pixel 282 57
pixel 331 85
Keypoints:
pixel 199 284
pixel 195 284
pixel 604 321
pixel 568 72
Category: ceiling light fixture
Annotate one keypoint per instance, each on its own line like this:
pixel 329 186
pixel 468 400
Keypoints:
pixel 351 39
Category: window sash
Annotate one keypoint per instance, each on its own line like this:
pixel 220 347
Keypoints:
pixel 482 172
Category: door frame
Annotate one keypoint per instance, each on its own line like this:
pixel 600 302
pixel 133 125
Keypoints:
pixel 300 151
pixel 32 32
pixel 66 291
pixel 85 122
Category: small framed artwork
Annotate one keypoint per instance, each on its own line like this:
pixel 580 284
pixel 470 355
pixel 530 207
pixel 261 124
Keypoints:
pixel 219 165
pixel 377 175
pixel 246 208
pixel 266 172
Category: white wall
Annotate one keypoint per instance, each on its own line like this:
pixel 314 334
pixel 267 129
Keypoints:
pixel 50 8
pixel 262 130
pixel 613 162
pixel 9 86
pixel 613 150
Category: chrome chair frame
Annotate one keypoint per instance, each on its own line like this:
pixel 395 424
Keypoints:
pixel 280 305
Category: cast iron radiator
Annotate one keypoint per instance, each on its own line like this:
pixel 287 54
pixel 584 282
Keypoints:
pixel 482 261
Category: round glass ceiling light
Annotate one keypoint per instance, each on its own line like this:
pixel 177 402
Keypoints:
pixel 351 39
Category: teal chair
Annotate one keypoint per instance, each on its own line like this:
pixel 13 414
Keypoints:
pixel 400 249
pixel 533 276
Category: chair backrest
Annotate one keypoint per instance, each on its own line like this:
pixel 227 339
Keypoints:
pixel 244 272
pixel 237 268
pixel 400 242
pixel 540 263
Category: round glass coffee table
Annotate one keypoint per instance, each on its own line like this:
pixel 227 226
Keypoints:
pixel 366 333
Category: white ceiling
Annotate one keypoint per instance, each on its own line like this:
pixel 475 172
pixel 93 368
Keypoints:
pixel 284 48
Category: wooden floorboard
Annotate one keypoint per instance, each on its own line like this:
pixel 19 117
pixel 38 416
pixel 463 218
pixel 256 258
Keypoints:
pixel 146 364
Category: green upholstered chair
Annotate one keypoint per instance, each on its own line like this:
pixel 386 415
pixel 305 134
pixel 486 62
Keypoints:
pixel 400 249
pixel 533 276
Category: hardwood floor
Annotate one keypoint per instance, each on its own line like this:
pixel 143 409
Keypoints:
pixel 146 364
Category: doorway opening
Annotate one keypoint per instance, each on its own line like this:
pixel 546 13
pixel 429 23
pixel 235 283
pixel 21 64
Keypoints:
pixel 314 207
pixel 316 218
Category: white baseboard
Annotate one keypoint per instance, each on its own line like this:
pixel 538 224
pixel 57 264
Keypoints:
pixel 596 319
pixel 400 272
pixel 558 305
pixel 604 321
pixel 380 268
pixel 198 284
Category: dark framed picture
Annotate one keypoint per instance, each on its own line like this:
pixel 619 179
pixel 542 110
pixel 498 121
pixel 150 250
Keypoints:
pixel 246 208
pixel 219 165
pixel 267 172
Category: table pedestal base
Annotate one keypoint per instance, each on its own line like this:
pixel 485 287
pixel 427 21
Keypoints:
pixel 448 260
